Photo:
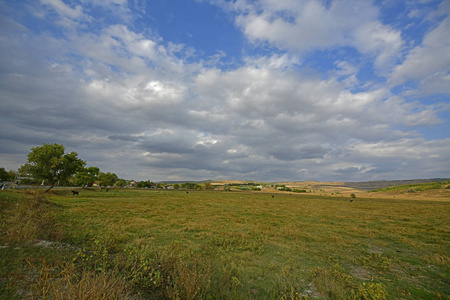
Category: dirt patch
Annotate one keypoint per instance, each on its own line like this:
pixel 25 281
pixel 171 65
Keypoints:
pixel 361 273
pixel 54 245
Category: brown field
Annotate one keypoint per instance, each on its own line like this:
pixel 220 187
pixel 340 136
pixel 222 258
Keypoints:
pixel 212 244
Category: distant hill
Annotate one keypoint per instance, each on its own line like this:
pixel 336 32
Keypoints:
pixel 379 184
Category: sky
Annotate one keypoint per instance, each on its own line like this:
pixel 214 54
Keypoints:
pixel 264 90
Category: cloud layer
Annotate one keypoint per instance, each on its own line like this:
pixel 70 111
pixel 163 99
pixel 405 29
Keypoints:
pixel 321 91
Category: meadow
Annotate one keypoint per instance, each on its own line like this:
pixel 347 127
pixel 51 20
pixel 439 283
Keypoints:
pixel 168 244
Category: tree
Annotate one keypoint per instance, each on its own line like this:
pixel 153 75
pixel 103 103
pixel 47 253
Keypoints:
pixel 191 186
pixel 121 182
pixel 107 179
pixel 11 175
pixel 144 184
pixel 48 162
pixel 3 174
pixel 87 176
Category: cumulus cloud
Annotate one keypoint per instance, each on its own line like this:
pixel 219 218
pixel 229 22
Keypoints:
pixel 301 26
pixel 428 63
pixel 129 102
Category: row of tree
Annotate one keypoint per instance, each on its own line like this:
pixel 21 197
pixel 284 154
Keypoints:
pixel 49 163
pixel 7 175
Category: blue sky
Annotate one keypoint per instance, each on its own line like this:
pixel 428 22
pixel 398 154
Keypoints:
pixel 268 90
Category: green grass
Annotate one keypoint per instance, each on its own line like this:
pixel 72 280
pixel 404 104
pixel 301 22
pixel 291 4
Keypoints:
pixel 417 187
pixel 234 245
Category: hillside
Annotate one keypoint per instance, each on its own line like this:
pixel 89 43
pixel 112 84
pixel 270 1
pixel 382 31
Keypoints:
pixel 379 184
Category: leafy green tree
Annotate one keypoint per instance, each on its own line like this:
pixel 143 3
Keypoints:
pixel 11 175
pixel 208 186
pixel 121 182
pixel 176 186
pixel 107 179
pixel 144 184
pixel 191 186
pixel 87 176
pixel 48 162
pixel 3 174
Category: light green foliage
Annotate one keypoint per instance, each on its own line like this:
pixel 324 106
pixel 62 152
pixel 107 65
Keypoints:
pixel 191 186
pixel 87 176
pixel 412 188
pixel 107 179
pixel 48 162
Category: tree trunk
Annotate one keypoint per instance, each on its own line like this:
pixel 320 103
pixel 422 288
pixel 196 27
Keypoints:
pixel 51 186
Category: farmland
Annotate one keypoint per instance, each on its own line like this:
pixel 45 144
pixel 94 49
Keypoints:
pixel 158 244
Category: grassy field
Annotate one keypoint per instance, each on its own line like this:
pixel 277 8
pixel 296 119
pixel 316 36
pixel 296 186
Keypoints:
pixel 158 244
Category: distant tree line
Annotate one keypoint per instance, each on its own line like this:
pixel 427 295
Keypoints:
pixel 49 164
pixel 7 175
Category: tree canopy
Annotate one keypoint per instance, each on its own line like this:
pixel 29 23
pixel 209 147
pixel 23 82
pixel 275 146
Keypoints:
pixel 48 162
pixel 107 179
pixel 87 176
pixel 4 174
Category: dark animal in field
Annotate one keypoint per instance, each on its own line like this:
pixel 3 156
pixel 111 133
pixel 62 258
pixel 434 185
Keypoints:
pixel 107 189
pixel 351 200
pixel 187 192
pixel 273 196
pixel 75 193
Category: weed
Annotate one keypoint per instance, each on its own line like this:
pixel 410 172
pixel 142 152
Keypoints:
pixel 140 269
pixel 288 287
pixel 333 283
pixel 438 259
pixel 371 291
pixel 65 282
pixel 336 284
pixel 375 261
pixel 32 217
pixel 189 280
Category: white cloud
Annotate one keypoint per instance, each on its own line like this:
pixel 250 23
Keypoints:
pixel 380 41
pixel 308 25
pixel 128 101
pixel 63 9
pixel 429 63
